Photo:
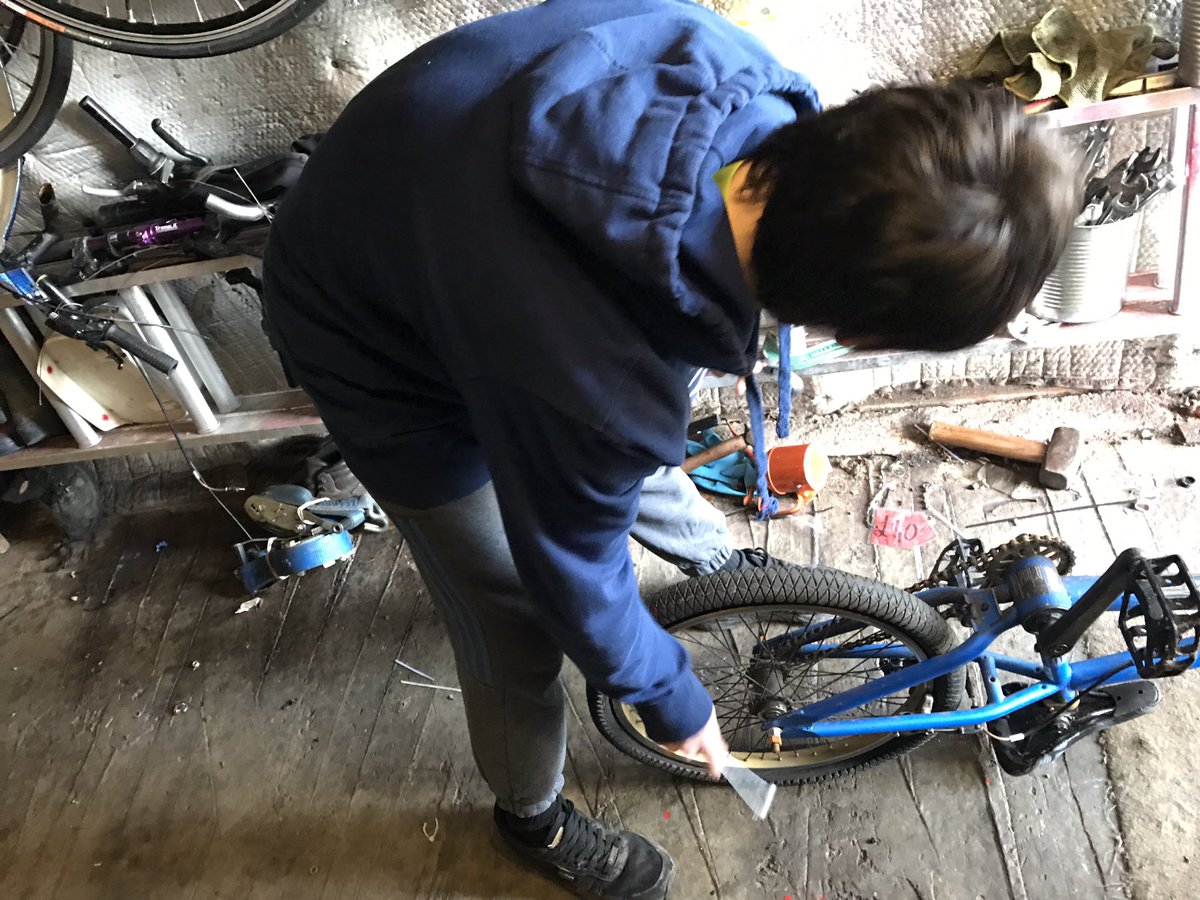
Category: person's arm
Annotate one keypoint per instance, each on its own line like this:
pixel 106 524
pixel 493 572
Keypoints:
pixel 568 495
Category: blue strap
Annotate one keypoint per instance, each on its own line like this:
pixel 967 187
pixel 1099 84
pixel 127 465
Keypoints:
pixel 281 559
pixel 349 512
pixel 767 505
pixel 784 426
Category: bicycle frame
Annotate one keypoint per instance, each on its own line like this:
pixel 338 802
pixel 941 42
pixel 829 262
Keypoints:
pixel 1032 587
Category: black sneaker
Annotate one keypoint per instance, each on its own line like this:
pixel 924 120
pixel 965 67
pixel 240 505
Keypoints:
pixel 750 558
pixel 586 856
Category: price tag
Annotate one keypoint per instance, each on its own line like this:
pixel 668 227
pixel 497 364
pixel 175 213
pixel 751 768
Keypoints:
pixel 901 528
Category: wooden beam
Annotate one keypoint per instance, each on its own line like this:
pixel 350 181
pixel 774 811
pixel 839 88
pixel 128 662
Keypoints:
pixel 143 277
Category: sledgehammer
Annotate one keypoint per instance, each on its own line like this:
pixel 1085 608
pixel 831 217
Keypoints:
pixel 1058 458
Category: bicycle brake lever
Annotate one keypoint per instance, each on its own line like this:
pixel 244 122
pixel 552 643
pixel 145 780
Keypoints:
pixel 106 193
pixel 107 350
pixel 71 319
pixel 183 154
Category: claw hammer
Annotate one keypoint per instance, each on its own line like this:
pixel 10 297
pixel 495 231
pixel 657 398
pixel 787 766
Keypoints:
pixel 1058 458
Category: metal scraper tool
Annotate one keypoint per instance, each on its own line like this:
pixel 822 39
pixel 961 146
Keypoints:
pixel 756 793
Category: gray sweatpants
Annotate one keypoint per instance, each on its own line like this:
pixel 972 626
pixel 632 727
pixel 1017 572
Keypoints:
pixel 508 667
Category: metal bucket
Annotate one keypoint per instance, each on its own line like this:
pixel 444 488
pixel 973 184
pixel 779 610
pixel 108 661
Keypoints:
pixel 1088 284
pixel 1189 44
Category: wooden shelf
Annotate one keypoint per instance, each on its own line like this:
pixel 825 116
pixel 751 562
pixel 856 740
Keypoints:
pixel 279 414
pixel 1124 107
pixel 146 276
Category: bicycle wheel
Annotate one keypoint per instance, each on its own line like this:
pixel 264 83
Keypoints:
pixel 169 28
pixel 36 64
pixel 742 630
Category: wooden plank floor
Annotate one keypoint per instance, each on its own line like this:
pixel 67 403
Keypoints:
pixel 155 745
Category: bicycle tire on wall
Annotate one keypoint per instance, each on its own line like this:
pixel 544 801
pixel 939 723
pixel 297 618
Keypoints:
pixel 258 23
pixel 814 589
pixel 47 92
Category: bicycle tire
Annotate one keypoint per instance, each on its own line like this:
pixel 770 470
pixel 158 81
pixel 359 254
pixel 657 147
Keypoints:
pixel 47 93
pixel 811 589
pixel 257 23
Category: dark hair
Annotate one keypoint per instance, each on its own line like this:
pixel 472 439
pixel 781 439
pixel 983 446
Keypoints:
pixel 925 217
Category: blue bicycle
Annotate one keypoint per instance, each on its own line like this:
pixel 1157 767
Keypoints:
pixel 816 672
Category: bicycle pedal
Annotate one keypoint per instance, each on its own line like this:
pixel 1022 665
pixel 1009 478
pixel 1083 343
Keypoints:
pixel 1044 740
pixel 1160 617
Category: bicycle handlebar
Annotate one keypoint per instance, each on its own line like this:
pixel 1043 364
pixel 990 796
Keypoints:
pixel 154 161
pixel 107 122
pixel 69 318
pixel 138 348
pixel 240 212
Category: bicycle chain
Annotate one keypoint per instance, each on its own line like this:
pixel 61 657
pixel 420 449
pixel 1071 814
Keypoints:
pixel 996 562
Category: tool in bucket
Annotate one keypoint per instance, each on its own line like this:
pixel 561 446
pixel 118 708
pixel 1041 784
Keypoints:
pixel 1095 148
pixel 1126 188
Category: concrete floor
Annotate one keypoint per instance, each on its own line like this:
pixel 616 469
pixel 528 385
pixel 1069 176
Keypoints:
pixel 155 745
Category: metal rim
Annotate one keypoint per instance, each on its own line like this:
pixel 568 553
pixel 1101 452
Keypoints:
pixel 27 116
pixel 10 176
pixel 8 104
pixel 207 31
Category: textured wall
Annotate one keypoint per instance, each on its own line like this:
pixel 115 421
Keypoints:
pixel 255 101
pixel 1163 364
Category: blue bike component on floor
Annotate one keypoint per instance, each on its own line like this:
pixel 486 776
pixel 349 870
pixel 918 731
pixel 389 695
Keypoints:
pixel 1038 600
pixel 280 558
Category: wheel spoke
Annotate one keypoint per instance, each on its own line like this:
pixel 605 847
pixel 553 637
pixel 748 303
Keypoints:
pixel 727 648
pixel 19 80
pixel 691 638
pixel 818 656
pixel 839 675
pixel 744 720
pixel 17 100
pixel 728 642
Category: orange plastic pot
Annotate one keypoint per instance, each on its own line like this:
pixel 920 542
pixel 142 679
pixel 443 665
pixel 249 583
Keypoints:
pixel 800 469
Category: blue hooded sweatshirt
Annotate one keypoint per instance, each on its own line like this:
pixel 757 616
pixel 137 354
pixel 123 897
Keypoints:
pixel 505 260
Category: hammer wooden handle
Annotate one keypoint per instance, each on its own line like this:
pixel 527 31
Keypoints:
pixel 717 451
pixel 1005 445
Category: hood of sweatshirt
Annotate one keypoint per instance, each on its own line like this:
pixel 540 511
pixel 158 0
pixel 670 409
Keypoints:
pixel 617 133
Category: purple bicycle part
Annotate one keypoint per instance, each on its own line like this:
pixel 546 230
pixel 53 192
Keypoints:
pixel 151 234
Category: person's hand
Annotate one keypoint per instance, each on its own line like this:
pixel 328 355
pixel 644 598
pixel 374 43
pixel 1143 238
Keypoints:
pixel 708 743
pixel 740 386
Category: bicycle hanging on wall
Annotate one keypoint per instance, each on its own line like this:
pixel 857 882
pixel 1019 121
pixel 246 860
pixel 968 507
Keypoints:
pixel 36 57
